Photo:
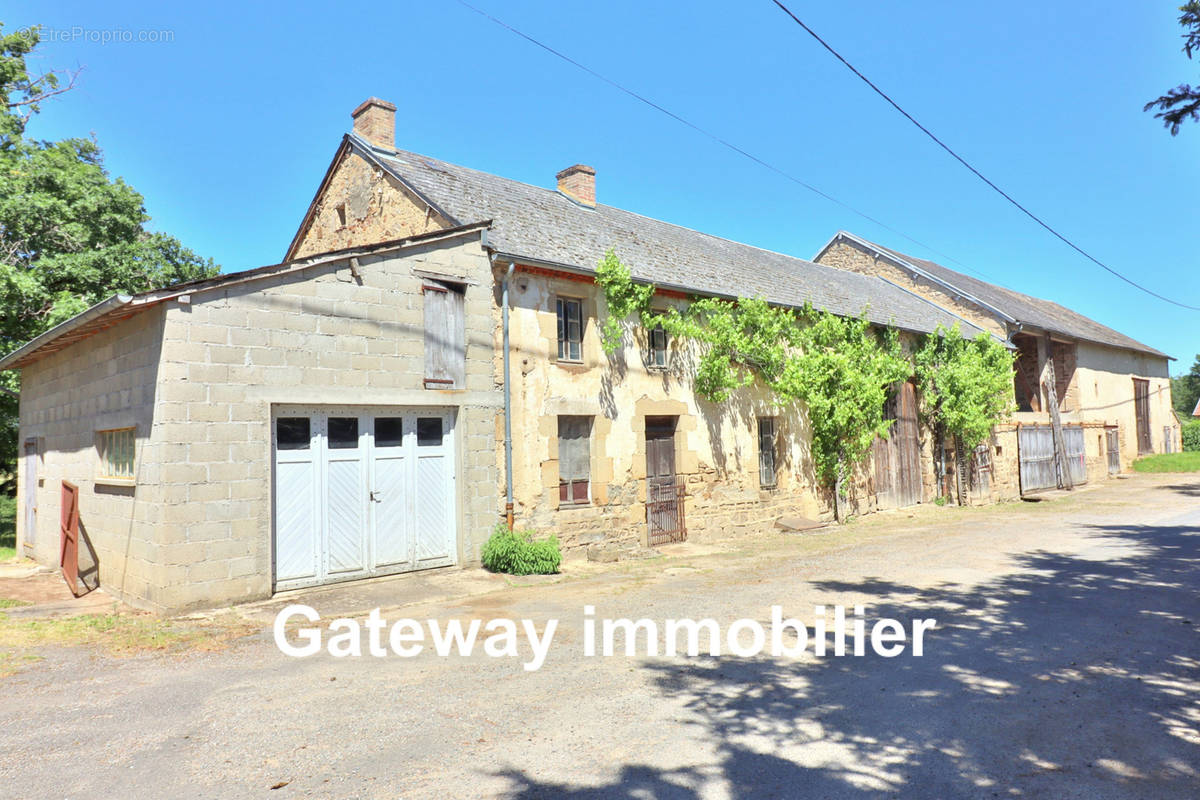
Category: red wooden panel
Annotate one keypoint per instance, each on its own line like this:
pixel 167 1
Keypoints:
pixel 69 536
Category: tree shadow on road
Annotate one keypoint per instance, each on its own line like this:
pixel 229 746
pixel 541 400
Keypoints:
pixel 1070 676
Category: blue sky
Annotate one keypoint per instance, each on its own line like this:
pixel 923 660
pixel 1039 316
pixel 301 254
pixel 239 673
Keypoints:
pixel 228 128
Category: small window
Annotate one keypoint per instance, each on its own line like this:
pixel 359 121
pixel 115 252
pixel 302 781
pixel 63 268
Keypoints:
pixel 389 431
pixel 766 452
pixel 570 329
pixel 574 459
pixel 343 433
pixel 429 432
pixel 292 433
pixel 116 451
pixel 658 347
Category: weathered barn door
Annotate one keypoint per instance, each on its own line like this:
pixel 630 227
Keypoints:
pixel 1112 438
pixel 1076 454
pixel 898 457
pixel 30 489
pixel 1141 410
pixel 362 492
pixel 1035 452
pixel 664 491
pixel 69 536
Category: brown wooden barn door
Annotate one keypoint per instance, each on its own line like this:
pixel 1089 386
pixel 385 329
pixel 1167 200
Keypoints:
pixel 1141 409
pixel 69 536
pixel 664 492
pixel 908 447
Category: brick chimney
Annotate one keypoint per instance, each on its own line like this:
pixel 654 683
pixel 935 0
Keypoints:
pixel 579 184
pixel 375 121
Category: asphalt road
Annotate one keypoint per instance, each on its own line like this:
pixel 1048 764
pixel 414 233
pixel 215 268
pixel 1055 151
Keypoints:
pixel 1065 664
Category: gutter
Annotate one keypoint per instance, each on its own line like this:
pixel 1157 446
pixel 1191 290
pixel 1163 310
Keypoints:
pixel 117 301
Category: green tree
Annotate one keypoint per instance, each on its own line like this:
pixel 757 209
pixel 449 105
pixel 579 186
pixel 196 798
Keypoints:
pixel 839 367
pixel 1185 391
pixel 966 384
pixel 69 234
pixel 1182 102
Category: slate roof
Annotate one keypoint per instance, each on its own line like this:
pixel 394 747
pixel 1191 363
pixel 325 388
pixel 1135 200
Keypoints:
pixel 1031 311
pixel 541 224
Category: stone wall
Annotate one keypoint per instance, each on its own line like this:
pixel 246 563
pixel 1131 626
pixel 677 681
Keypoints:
pixel 362 205
pixel 855 258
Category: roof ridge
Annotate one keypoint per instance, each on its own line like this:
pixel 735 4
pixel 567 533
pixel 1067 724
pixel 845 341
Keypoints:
pixel 605 206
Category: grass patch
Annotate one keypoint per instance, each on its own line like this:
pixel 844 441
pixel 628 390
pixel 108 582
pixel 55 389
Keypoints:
pixel 8 527
pixel 1169 462
pixel 119 634
pixel 8 602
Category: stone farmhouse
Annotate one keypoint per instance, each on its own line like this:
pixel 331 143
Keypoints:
pixel 426 361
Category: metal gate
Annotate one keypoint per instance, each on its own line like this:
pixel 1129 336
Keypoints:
pixel 1112 437
pixel 665 492
pixel 362 492
pixel 1035 446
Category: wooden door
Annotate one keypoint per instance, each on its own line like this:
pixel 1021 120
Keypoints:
pixel 898 458
pixel 664 492
pixel 1113 445
pixel 69 536
pixel 29 488
pixel 1141 409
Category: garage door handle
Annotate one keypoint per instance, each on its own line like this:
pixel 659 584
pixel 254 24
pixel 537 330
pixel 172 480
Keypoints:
pixel 375 497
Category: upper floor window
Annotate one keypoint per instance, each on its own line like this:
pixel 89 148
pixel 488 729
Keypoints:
pixel 115 449
pixel 766 452
pixel 570 329
pixel 445 336
pixel 658 346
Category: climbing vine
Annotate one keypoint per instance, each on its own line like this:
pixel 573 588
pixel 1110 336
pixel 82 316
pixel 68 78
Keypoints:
pixel 966 384
pixel 839 367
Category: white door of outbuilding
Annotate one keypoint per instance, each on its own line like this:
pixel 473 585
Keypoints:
pixel 362 492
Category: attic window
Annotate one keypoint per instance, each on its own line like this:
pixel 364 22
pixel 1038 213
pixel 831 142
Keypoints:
pixel 341 212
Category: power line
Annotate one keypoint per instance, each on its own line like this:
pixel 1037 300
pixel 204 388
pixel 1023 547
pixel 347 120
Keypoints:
pixel 712 136
pixel 974 171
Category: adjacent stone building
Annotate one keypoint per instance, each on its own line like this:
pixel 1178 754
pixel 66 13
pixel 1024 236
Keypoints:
pixel 1112 393
pixel 342 415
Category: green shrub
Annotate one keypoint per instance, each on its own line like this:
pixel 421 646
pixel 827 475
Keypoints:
pixel 1191 435
pixel 518 553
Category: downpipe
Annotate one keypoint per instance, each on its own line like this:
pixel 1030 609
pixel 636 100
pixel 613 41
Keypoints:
pixel 508 459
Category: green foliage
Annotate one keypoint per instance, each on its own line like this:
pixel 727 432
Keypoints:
pixel 70 235
pixel 1190 431
pixel 1185 390
pixel 842 371
pixel 1168 462
pixel 1183 102
pixel 838 366
pixel 518 553
pixel 624 298
pixel 967 384
pixel 8 527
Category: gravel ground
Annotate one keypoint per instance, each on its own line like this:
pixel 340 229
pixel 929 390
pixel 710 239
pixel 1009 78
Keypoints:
pixel 1065 664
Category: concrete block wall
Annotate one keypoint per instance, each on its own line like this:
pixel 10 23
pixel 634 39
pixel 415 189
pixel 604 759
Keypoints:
pixel 318 336
pixel 107 381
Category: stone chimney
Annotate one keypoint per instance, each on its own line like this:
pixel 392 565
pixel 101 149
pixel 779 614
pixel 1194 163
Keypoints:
pixel 579 184
pixel 375 121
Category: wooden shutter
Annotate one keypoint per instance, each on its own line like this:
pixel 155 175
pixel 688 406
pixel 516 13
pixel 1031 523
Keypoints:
pixel 445 336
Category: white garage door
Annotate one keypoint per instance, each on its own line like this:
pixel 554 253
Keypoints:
pixel 361 492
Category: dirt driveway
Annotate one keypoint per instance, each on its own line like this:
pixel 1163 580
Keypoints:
pixel 1065 664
